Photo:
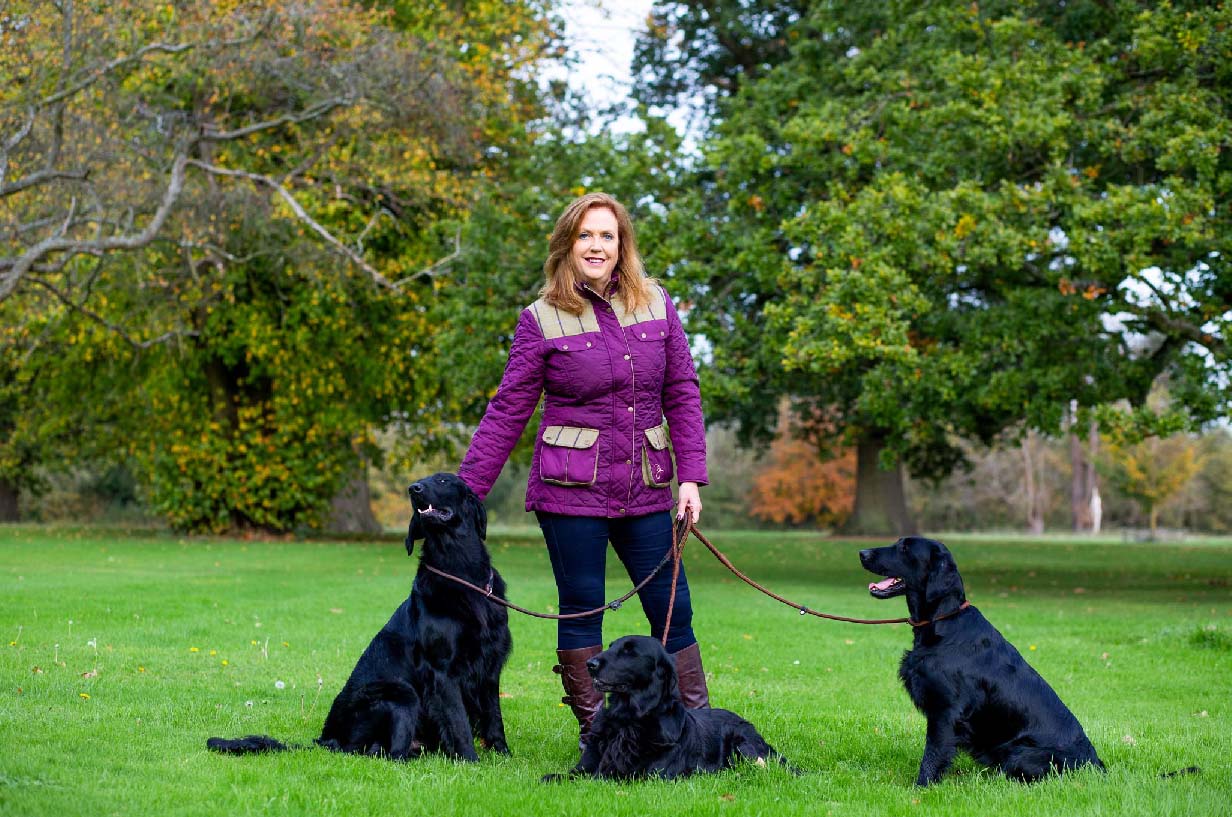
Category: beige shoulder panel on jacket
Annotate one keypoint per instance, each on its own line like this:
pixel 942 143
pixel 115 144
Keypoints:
pixel 557 323
pixel 655 311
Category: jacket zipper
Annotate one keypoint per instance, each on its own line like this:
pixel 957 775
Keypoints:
pixel 633 386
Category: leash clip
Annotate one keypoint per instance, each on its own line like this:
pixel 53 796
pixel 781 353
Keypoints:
pixel 614 604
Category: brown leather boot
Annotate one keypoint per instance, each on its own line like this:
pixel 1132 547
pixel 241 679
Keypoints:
pixel 691 677
pixel 580 692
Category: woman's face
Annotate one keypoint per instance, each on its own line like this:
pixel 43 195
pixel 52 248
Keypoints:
pixel 597 247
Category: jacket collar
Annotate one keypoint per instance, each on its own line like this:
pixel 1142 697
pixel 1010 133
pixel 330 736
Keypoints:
pixel 585 288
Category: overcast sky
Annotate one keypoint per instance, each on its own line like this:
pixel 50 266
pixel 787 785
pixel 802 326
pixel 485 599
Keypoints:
pixel 601 35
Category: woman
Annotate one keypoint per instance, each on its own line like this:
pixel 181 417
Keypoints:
pixel 606 347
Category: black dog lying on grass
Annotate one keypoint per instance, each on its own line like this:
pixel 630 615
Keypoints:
pixel 975 689
pixel 644 729
pixel 430 679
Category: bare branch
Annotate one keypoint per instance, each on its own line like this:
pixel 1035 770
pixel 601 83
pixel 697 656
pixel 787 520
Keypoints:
pixel 436 267
pixel 153 48
pixel 39 178
pixel 301 214
pixel 105 69
pixel 108 325
pixel 13 141
pixel 19 266
pixel 1173 326
pixel 359 239
pixel 318 110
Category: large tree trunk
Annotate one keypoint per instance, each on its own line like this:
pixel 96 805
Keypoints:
pixel 351 507
pixel 881 502
pixel 8 501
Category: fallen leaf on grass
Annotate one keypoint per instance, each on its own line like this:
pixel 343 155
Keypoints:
pixel 1128 740
pixel 729 797
pixel 90 674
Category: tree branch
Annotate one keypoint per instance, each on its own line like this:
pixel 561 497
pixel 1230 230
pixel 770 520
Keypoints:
pixel 40 177
pixel 320 109
pixel 22 264
pixel 300 213
pixel 111 327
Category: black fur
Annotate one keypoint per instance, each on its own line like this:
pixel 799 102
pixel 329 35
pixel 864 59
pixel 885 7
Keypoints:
pixel 644 729
pixel 430 679
pixel 975 689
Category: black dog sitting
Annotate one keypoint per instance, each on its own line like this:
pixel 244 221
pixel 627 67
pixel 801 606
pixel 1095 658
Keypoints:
pixel 974 688
pixel 430 679
pixel 644 730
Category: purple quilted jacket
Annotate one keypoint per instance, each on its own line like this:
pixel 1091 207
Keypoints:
pixel 610 376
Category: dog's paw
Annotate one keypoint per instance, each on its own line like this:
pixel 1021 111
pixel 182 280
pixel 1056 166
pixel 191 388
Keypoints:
pixel 556 778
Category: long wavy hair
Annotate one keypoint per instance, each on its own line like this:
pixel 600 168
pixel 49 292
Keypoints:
pixel 561 289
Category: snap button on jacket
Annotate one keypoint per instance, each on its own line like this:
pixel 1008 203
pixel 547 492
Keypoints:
pixel 608 378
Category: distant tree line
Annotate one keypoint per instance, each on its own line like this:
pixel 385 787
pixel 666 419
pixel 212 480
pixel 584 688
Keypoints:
pixel 254 253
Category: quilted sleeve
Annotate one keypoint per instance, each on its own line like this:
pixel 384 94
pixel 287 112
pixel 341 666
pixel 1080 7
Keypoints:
pixel 512 405
pixel 682 404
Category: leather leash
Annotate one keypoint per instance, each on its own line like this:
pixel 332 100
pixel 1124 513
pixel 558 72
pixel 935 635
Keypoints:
pixel 680 534
pixel 718 554
pixel 614 604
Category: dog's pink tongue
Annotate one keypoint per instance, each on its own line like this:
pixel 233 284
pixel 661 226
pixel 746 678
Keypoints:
pixel 884 584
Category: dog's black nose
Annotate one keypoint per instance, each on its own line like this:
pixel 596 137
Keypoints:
pixel 865 554
pixel 592 666
pixel 415 488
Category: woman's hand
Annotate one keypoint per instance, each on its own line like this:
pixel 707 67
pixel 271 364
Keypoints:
pixel 690 501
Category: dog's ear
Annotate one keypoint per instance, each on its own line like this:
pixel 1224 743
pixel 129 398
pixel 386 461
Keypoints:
pixel 661 691
pixel 943 581
pixel 478 514
pixel 413 532
pixel 671 721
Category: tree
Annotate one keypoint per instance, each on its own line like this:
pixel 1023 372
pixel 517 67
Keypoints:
pixel 1151 471
pixel 798 484
pixel 942 221
pixel 247 223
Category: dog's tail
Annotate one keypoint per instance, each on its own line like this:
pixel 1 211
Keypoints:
pixel 248 745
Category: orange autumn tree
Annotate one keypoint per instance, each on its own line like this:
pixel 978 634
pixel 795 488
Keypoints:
pixel 803 481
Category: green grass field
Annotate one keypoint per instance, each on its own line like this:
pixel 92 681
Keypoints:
pixel 122 653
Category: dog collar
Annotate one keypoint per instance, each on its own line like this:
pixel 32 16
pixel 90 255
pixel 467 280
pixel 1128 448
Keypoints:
pixel 926 621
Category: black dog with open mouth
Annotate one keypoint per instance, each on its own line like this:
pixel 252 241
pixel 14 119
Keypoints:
pixel 644 730
pixel 430 679
pixel 975 689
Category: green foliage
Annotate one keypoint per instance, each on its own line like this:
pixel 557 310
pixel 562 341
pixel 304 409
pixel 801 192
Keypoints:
pixel 245 354
pixel 941 220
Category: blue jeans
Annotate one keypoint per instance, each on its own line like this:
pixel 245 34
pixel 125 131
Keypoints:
pixel 577 546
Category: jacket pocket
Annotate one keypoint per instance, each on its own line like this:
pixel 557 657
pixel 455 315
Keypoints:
pixel 569 455
pixel 657 458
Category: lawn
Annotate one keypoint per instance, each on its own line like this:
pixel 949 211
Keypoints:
pixel 122 652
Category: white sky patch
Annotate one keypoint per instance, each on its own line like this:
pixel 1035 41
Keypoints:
pixel 600 34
